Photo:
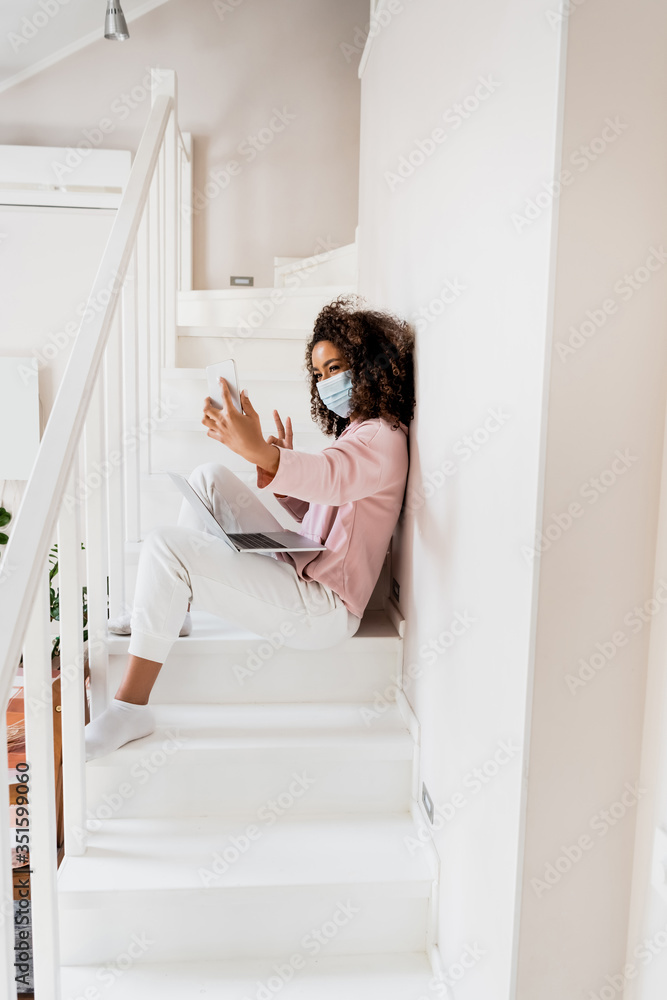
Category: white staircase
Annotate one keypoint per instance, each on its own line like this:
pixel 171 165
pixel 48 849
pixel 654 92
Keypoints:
pixel 259 842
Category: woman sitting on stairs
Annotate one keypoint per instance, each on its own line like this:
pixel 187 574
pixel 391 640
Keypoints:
pixel 348 497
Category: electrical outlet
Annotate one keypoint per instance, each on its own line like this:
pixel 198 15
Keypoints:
pixel 395 588
pixel 245 281
pixel 428 803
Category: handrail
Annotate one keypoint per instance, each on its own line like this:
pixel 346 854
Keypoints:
pixel 146 260
pixel 38 513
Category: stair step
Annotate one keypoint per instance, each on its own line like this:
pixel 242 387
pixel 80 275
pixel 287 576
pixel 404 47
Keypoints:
pixel 337 266
pixel 250 375
pixel 321 977
pixel 200 667
pixel 246 311
pixel 211 760
pixel 205 888
pixel 184 396
pixel 196 349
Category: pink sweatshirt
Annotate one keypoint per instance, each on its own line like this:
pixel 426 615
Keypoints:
pixel 348 497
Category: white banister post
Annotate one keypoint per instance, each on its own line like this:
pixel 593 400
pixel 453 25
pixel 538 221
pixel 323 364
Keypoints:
pixel 38 700
pixel 154 273
pixel 7 979
pixel 166 84
pixel 164 291
pixel 114 469
pixel 72 693
pixel 145 304
pixel 131 446
pixel 96 549
pixel 185 216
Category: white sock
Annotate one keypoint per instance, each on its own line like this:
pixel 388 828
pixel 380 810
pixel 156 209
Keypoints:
pixel 119 723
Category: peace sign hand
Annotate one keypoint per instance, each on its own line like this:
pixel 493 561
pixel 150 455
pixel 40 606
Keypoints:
pixel 283 440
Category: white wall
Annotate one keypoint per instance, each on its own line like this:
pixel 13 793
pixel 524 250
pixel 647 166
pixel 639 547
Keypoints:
pixel 48 261
pixel 457 551
pixel 467 548
pixel 235 63
pixel 608 395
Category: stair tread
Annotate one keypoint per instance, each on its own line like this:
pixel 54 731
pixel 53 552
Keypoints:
pixel 277 726
pixel 210 632
pixel 235 294
pixel 355 977
pixel 171 853
pixel 253 375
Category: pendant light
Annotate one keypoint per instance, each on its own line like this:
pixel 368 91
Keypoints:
pixel 115 25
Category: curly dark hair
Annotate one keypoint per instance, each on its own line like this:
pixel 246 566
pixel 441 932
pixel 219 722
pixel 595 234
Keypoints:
pixel 378 347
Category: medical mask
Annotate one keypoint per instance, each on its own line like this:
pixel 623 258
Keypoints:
pixel 335 392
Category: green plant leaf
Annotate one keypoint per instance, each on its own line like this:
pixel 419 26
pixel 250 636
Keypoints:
pixel 5 517
pixel 3 538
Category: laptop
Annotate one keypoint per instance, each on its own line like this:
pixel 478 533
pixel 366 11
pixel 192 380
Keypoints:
pixel 246 541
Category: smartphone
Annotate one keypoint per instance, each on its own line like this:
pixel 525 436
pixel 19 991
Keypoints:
pixel 228 371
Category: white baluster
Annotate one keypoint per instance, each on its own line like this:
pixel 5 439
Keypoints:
pixel 72 693
pixel 96 550
pixel 155 301
pixel 169 210
pixel 114 469
pixel 131 441
pixel 143 337
pixel 41 795
pixel 185 216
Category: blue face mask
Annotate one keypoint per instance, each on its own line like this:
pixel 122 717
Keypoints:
pixel 335 392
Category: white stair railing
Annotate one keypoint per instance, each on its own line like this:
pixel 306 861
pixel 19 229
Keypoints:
pixel 84 490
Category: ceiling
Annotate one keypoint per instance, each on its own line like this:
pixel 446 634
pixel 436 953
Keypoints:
pixel 32 38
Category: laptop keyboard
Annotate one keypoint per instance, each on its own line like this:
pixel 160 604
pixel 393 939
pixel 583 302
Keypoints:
pixel 248 540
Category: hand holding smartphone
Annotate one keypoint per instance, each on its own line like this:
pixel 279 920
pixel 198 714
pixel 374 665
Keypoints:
pixel 226 369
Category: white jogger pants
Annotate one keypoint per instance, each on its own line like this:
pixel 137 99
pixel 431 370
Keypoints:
pixel 185 562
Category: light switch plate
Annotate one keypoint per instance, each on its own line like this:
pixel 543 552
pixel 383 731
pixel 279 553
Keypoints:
pixel 428 803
